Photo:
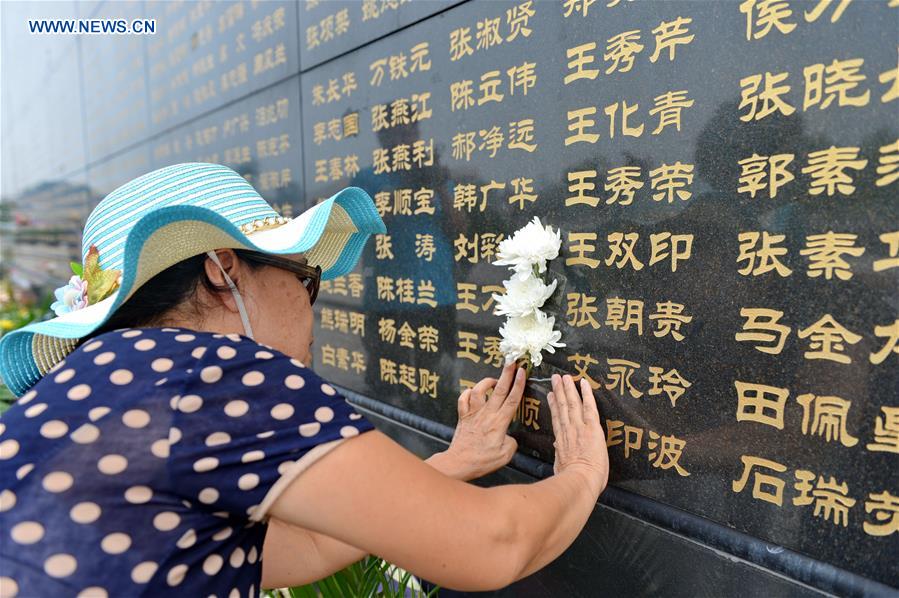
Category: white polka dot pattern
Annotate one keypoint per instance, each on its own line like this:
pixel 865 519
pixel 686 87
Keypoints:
pixel 143 572
pixel 85 512
pixel 60 565
pixel 172 439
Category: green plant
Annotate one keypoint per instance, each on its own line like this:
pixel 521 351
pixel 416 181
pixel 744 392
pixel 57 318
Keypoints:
pixel 369 578
pixel 15 313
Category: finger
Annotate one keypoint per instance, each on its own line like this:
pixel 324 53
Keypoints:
pixel 560 395
pixel 554 414
pixel 574 402
pixel 591 411
pixel 464 404
pixel 476 402
pixel 502 387
pixel 516 393
pixel 481 388
pixel 509 447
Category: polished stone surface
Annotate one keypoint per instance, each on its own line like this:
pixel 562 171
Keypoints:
pixel 619 555
pixel 808 447
pixel 332 27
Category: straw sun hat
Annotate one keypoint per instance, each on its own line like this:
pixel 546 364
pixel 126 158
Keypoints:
pixel 169 215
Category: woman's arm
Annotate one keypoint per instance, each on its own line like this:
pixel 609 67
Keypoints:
pixel 295 556
pixel 372 493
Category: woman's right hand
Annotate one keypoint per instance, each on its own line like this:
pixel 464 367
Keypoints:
pixel 580 441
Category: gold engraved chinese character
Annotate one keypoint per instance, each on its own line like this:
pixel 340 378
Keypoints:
pixel 890 77
pixel 827 170
pixel 765 14
pixel 755 169
pixel 578 58
pixel 669 107
pixel 672 180
pixel 827 340
pixel 669 35
pixel 823 84
pixel 666 452
pixel 623 182
pixel 770 96
pixel 460 45
pixel 765 486
pixel 761 403
pixel 578 247
pixel 620 372
pixel 812 15
pixel 886 511
pixel 826 416
pixel 621 250
pixel 761 326
pixel 571 6
pixel 765 258
pixel 581 309
pixel 577 123
pixel 825 254
pixel 886 431
pixel 528 411
pixel 832 500
pixel 621 314
pixel 891 333
pixel 680 247
pixel 888 164
pixel 668 318
pixel 578 185
pixel 621 50
pixel 671 383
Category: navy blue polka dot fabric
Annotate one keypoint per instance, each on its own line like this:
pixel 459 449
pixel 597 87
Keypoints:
pixel 145 463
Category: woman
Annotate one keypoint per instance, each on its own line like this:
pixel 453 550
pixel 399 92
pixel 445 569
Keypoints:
pixel 169 436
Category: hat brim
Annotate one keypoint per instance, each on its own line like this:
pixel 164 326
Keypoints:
pixel 331 234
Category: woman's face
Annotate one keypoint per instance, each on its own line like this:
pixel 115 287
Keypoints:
pixel 279 309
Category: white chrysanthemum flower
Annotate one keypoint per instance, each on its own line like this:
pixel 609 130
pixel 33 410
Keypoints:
pixel 522 297
pixel 532 245
pixel 529 336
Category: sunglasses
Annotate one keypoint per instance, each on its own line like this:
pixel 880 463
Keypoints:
pixel 309 276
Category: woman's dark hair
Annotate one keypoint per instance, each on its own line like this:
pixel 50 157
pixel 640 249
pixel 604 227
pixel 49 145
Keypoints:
pixel 173 287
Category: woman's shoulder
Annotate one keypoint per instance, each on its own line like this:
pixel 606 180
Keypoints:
pixel 235 361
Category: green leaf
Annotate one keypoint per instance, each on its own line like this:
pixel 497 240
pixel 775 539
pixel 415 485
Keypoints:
pixel 307 591
pixel 77 268
pixel 100 283
pixel 369 578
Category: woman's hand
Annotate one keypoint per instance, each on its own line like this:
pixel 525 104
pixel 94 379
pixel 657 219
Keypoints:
pixel 580 441
pixel 480 444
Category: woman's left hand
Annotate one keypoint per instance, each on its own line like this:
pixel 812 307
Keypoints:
pixel 480 444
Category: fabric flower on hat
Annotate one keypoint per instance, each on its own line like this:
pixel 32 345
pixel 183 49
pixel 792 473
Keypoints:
pixel 89 285
pixel 530 247
pixel 71 296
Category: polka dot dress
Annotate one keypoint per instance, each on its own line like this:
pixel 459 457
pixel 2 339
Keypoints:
pixel 145 464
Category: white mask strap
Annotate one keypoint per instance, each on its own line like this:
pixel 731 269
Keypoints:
pixel 240 306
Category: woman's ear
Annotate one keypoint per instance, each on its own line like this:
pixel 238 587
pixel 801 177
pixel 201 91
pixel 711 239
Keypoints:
pixel 230 264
